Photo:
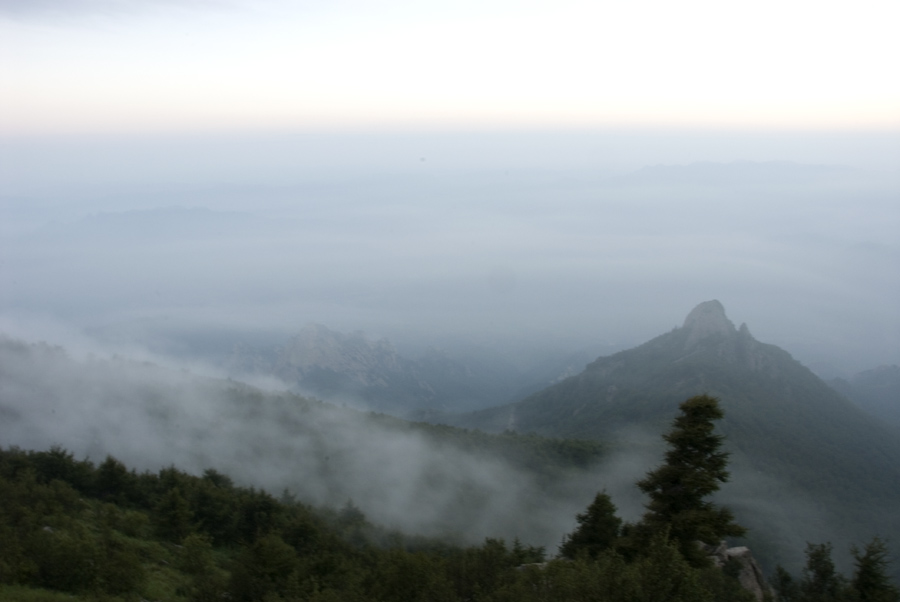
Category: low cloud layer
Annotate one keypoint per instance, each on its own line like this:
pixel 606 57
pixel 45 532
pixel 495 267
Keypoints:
pixel 150 417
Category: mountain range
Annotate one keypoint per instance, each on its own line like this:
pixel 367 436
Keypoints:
pixel 372 374
pixel 875 391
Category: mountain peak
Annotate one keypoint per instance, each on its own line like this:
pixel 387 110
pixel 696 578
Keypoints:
pixel 707 319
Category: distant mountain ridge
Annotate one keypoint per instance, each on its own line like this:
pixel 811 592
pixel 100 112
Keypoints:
pixel 372 374
pixel 334 365
pixel 876 391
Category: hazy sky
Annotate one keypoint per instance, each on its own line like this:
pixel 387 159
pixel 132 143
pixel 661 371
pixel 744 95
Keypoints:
pixel 150 65
pixel 435 168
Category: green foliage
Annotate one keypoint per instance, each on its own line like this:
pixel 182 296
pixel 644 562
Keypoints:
pixel 667 575
pixel 98 546
pixel 785 586
pixel 214 508
pixel 694 468
pixel 20 593
pixel 598 529
pixel 608 578
pixel 173 516
pixel 870 579
pixel 66 559
pixel 120 569
pixel 401 576
pixel 661 573
pixel 113 482
pixel 196 555
pixel 268 566
pixel 475 571
pixel 58 464
pixel 821 582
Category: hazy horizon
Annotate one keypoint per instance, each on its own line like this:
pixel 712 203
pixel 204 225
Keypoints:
pixel 515 175
pixel 440 252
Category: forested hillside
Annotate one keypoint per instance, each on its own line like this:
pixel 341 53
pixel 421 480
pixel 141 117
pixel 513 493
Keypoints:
pixel 107 533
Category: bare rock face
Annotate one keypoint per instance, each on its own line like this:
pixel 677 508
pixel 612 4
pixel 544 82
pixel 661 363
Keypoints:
pixel 705 320
pixel 749 573
pixel 707 330
pixel 354 356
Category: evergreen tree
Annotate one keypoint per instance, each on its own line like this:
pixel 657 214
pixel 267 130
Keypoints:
pixel 113 481
pixel 598 529
pixel 870 579
pixel 821 582
pixel 266 567
pixel 173 516
pixel 694 468
pixel 785 586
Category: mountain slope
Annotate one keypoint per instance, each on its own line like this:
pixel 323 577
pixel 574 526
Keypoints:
pixel 800 450
pixel 876 391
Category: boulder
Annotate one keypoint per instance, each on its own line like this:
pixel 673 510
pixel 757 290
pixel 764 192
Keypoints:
pixel 749 572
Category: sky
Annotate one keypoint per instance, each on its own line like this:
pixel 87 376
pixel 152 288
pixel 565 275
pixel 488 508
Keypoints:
pixel 576 174
pixel 88 66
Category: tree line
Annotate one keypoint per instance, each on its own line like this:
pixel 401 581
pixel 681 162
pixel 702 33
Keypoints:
pixel 104 532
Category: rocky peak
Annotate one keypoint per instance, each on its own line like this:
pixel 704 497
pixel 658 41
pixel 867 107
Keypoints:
pixel 705 320
pixel 317 346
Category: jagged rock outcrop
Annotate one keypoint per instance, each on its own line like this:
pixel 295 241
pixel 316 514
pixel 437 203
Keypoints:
pixel 748 570
pixel 369 363
pixel 705 320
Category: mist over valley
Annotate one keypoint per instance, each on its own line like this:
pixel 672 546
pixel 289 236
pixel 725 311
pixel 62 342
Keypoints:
pixel 806 463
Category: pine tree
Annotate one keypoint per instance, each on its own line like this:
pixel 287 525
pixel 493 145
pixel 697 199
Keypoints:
pixel 870 580
pixel 821 582
pixel 598 529
pixel 173 516
pixel 694 468
pixel 783 583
